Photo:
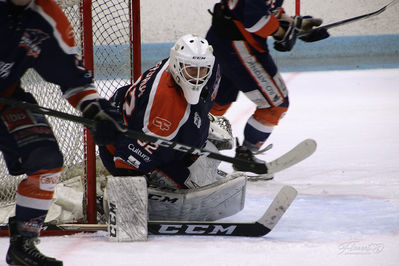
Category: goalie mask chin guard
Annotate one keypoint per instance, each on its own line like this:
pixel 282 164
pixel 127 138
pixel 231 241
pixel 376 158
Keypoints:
pixel 191 63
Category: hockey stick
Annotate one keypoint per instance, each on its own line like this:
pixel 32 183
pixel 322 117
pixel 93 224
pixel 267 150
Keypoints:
pixel 259 168
pixel 349 20
pixel 258 228
pixel 297 154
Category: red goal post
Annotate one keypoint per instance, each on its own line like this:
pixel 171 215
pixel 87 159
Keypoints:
pixel 134 41
pixel 297 7
pixel 107 33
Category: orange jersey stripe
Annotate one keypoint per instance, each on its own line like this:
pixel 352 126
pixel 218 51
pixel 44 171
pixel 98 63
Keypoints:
pixel 168 108
pixel 111 148
pixel 269 28
pixel 248 37
pixel 122 164
pixel 62 25
pixel 75 99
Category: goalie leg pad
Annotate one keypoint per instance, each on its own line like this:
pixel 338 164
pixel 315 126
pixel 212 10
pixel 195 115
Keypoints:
pixel 127 208
pixel 212 202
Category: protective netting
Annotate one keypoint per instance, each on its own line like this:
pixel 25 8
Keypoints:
pixel 111 20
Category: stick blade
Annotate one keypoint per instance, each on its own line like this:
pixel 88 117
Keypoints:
pixel 278 207
pixel 297 154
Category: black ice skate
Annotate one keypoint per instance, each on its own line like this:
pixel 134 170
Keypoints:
pixel 243 153
pixel 22 250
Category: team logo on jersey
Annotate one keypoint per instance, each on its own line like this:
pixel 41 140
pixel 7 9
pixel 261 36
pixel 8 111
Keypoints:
pixel 16 118
pixel 5 69
pixel 162 123
pixel 197 120
pixel 31 40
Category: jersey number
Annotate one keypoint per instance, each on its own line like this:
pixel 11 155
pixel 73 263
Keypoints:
pixel 148 146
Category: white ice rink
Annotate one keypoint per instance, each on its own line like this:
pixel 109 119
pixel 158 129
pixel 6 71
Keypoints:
pixel 347 209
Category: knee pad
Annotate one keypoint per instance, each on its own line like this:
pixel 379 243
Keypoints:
pixel 43 158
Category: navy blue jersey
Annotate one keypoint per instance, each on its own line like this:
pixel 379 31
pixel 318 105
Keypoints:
pixel 41 37
pixel 256 19
pixel 155 105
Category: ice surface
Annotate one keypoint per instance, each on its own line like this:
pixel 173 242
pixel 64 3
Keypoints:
pixel 347 210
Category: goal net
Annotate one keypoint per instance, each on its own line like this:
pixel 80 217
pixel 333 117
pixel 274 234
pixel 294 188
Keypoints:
pixel 107 33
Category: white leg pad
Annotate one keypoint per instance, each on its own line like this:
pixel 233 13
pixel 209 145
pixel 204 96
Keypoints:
pixel 211 202
pixel 127 207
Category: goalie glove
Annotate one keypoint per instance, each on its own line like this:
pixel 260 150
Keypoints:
pixel 220 132
pixel 291 28
pixel 109 121
pixel 308 22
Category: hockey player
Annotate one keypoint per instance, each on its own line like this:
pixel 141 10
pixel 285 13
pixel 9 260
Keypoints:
pixel 36 34
pixel 238 35
pixel 171 101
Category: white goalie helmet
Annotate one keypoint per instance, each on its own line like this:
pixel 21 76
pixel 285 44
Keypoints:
pixel 190 63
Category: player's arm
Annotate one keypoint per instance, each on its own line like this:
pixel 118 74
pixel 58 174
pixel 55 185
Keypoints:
pixel 286 34
pixel 308 23
pixel 78 89
pixel 59 63
pixel 259 19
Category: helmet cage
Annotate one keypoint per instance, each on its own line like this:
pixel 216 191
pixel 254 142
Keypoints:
pixel 196 76
pixel 191 63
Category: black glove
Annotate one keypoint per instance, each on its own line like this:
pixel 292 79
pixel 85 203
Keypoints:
pixel 109 121
pixel 308 22
pixel 223 23
pixel 291 30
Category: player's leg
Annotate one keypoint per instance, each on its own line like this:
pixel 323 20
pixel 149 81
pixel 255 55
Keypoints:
pixel 30 141
pixel 257 130
pixel 257 76
pixel 227 91
pixel 261 124
pixel 227 94
pixel 271 97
